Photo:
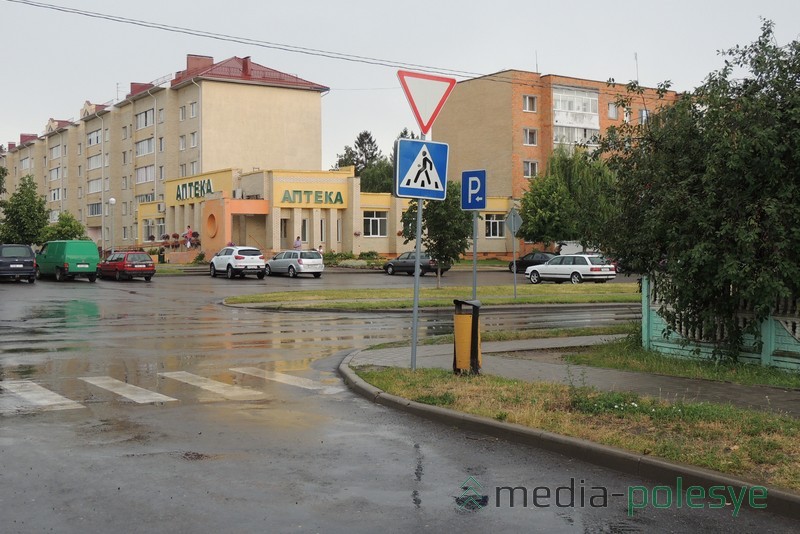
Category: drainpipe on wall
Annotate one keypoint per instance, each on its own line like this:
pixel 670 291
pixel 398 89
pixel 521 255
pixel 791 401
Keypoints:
pixel 102 180
pixel 155 162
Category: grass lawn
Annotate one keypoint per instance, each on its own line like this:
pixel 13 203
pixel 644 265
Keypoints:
pixel 759 446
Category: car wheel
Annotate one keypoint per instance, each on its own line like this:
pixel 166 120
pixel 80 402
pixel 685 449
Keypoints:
pixel 118 276
pixel 147 278
pixel 511 267
pixel 575 278
pixel 267 270
pixel 260 276
pixel 38 274
pixel 390 269
pixel 59 275
pixel 92 277
pixel 229 273
pixel 292 272
pixel 317 275
pixel 213 271
pixel 535 277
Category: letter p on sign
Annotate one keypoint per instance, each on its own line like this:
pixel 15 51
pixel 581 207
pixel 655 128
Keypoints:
pixel 473 190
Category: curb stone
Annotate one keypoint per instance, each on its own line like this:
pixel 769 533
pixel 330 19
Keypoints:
pixel 654 469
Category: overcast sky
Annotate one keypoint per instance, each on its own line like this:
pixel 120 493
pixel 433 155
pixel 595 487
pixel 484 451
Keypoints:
pixel 54 61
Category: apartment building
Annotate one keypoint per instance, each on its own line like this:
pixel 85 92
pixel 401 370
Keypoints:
pixel 118 156
pixel 510 122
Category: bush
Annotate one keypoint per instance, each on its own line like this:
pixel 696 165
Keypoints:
pixel 369 255
pixel 199 259
pixel 152 251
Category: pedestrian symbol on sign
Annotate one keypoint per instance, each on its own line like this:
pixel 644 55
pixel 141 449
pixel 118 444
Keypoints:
pixel 421 170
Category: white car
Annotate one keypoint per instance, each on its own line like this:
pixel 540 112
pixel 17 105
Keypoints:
pixel 238 261
pixel 575 268
pixel 295 262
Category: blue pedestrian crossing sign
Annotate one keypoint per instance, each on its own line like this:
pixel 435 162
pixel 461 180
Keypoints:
pixel 421 169
pixel 473 190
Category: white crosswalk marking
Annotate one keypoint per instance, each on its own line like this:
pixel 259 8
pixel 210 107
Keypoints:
pixel 34 396
pixel 220 388
pixel 288 379
pixel 123 389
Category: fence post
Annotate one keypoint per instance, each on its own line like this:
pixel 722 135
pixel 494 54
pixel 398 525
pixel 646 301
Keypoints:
pixel 645 312
pixel 767 340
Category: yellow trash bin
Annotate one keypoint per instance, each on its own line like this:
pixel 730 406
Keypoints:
pixel 466 337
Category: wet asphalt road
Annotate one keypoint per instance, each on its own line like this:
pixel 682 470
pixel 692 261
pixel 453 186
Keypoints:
pixel 255 432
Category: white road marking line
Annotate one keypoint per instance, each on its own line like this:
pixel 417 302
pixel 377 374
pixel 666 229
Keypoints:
pixel 129 391
pixel 220 388
pixel 37 396
pixel 288 379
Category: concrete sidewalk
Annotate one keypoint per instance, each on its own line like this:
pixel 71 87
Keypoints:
pixel 533 360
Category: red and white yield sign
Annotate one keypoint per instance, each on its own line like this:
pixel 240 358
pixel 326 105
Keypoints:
pixel 426 94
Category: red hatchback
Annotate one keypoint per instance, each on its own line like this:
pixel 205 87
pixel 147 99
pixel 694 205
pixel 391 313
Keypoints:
pixel 127 265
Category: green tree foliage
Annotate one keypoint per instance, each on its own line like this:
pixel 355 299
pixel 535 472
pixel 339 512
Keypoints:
pixel 25 214
pixel 378 177
pixel 67 227
pixel 3 174
pixel 709 194
pixel 446 228
pixel 362 154
pixel 571 202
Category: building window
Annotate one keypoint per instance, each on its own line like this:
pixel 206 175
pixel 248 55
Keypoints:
pixel 124 232
pixel 182 113
pixel 55 194
pixel 55 152
pixel 94 186
pixel 94 162
pixel 529 103
pixel 80 170
pixel 106 159
pixel 571 136
pixel 612 111
pixel 146 146
pixel 182 142
pixel 108 184
pixel 54 216
pixel 124 182
pixel 627 115
pixel 575 100
pixel 304 230
pixel 144 119
pixel 182 170
pixel 124 132
pixel 80 148
pixel 193 168
pixel 322 230
pixel 161 144
pixel 95 209
pixel 530 168
pixel 193 110
pixel 55 173
pixel 106 134
pixel 284 228
pixel 643 115
pixel 160 115
pixel 124 208
pixel 160 172
pixel 193 139
pixel 93 138
pixel 124 157
pixel 25 163
pixel 146 174
pixel 531 137
pixel 375 224
pixel 495 225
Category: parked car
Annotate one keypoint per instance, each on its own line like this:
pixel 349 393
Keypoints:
pixel 404 263
pixel 295 262
pixel 17 262
pixel 127 265
pixel 532 258
pixel 238 261
pixel 67 260
pixel 574 268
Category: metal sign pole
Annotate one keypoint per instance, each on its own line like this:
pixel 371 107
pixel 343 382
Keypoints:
pixel 417 269
pixel 474 255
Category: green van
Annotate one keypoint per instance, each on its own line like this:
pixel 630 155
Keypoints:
pixel 67 259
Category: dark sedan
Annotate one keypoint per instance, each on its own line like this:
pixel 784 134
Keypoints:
pixel 533 258
pixel 404 263
pixel 17 262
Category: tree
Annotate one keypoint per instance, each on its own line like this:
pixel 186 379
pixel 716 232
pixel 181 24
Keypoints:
pixel 571 202
pixel 67 227
pixel 364 153
pixel 446 228
pixel 378 177
pixel 25 214
pixel 3 174
pixel 708 194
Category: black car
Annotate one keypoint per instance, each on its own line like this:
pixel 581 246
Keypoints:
pixel 17 262
pixel 404 263
pixel 532 258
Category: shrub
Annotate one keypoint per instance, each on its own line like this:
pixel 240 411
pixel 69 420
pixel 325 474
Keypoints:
pixel 369 255
pixel 199 259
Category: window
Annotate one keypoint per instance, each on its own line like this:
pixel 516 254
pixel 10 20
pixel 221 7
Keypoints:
pixel 529 103
pixel 105 136
pixel 54 216
pixel 146 174
pixel 568 135
pixel 93 138
pixel 375 224
pixel 80 170
pixel 95 209
pixel 193 110
pixel 160 172
pixel 146 146
pixel 55 173
pixel 304 230
pixel 612 111
pixel 182 142
pixel 160 115
pixel 55 152
pixel 124 208
pixel 106 159
pixel 124 232
pixel 322 230
pixel 182 113
pixel 531 137
pixel 182 170
pixel 64 193
pixel 55 194
pixel 94 162
pixel 124 182
pixel 530 168
pixel 627 116
pixel 80 149
pixel 643 115
pixel 94 186
pixel 144 119
pixel 193 168
pixel 574 100
pixel 495 225
pixel 124 157
pixel 193 139
pixel 284 228
pixel 161 144
pixel 25 163
pixel 108 184
pixel 124 132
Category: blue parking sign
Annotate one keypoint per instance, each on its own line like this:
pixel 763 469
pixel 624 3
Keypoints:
pixel 473 190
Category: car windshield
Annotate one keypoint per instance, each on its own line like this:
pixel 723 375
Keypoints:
pixel 249 252
pixel 310 255
pixel 15 252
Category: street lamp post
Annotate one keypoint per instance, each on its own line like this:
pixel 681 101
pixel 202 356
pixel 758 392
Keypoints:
pixel 111 202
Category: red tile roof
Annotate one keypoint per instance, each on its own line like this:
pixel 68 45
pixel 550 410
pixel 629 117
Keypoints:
pixel 242 69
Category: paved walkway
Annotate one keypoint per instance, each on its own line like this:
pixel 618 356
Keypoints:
pixel 512 359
